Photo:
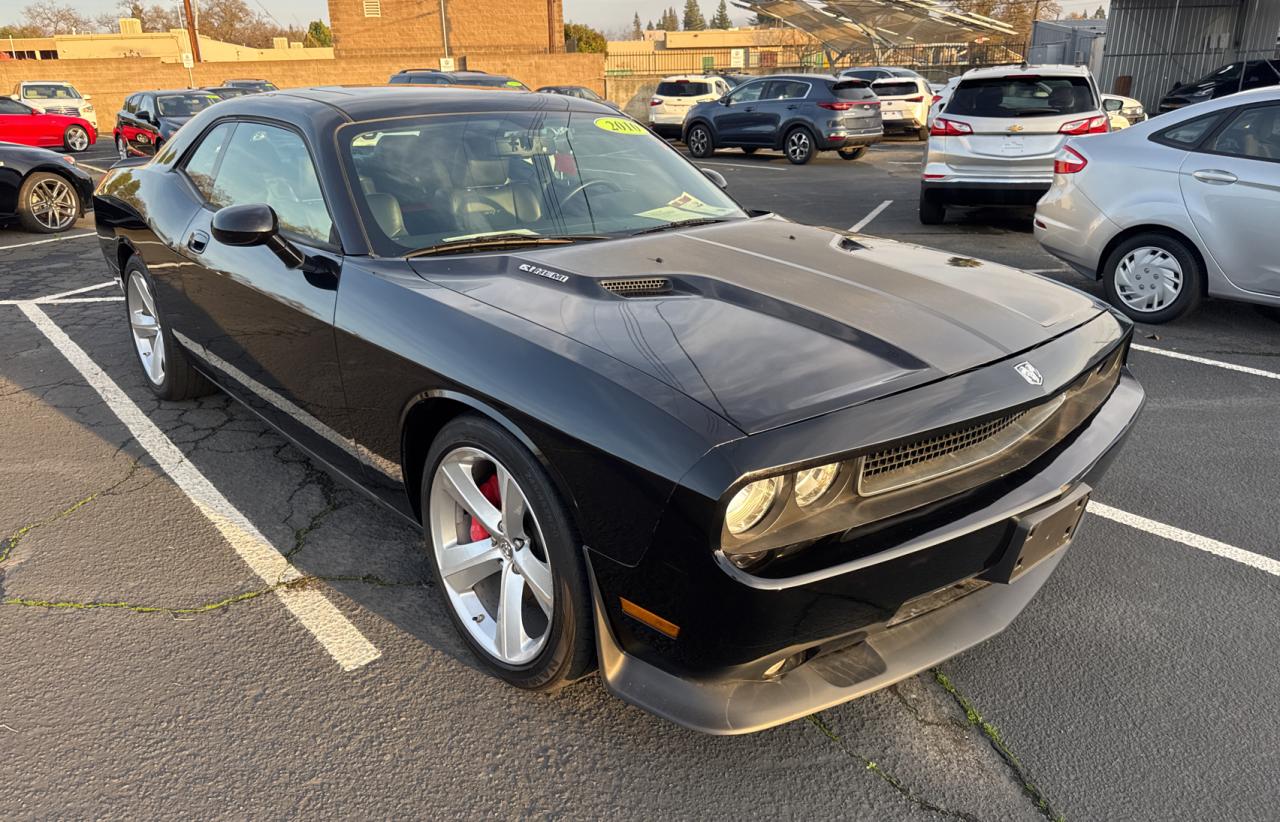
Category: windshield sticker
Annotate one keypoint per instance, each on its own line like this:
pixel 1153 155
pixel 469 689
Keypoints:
pixel 515 84
pixel 619 125
pixel 544 272
pixel 685 207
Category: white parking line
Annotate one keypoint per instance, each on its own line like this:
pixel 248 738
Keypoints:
pixel 1229 366
pixel 344 642
pixel 740 165
pixel 1200 543
pixel 51 240
pixel 875 212
pixel 62 294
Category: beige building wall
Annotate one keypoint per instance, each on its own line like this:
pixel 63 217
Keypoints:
pixel 168 47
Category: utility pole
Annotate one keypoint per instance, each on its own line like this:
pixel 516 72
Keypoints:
pixel 191 30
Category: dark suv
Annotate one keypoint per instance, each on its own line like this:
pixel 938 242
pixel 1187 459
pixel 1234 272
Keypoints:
pixel 1229 79
pixel 431 77
pixel 799 114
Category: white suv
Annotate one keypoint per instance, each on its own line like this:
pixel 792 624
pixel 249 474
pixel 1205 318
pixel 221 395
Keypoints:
pixel 676 95
pixel 904 104
pixel 994 140
pixel 56 97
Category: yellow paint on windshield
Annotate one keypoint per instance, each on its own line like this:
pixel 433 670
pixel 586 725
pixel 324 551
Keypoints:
pixel 619 125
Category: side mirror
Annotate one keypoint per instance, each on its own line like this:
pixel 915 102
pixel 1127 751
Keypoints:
pixel 1112 105
pixel 724 101
pixel 716 177
pixel 256 224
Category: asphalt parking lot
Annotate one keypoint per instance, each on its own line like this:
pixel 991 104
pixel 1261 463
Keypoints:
pixel 195 616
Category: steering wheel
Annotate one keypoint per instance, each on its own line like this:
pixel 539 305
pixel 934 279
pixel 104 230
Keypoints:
pixel 609 184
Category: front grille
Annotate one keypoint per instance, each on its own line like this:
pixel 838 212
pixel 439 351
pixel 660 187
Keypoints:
pixel 65 110
pixel 638 287
pixel 904 457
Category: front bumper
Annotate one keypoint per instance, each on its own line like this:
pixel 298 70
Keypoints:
pixel 880 654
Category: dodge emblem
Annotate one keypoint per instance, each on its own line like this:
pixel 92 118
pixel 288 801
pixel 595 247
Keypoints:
pixel 1029 373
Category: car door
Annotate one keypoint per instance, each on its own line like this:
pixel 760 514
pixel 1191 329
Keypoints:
pixel 1231 187
pixel 782 101
pixel 265 327
pixel 733 120
pixel 17 124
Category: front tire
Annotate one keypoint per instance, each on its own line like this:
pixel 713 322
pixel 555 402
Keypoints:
pixel 164 363
pixel 699 141
pixel 47 203
pixel 799 145
pixel 75 139
pixel 506 557
pixel 1153 278
pixel 932 211
pixel 749 150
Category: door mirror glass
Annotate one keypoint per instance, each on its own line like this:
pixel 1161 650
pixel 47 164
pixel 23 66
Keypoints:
pixel 251 225
pixel 1112 105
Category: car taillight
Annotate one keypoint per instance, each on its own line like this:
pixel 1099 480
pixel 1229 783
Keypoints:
pixel 1069 161
pixel 1088 125
pixel 936 98
pixel 836 106
pixel 943 127
pixel 919 98
pixel 656 101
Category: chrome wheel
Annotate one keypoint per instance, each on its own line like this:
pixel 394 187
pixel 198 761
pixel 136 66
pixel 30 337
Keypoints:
pixel 799 145
pixel 121 150
pixel 698 142
pixel 1148 279
pixel 53 204
pixel 147 336
pixel 77 138
pixel 492 558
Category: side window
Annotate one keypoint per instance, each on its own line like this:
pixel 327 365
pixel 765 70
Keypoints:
pixel 787 90
pixel 1259 73
pixel 147 105
pixel 203 162
pixel 131 105
pixel 8 106
pixel 268 164
pixel 1254 134
pixel 748 93
pixel 1189 134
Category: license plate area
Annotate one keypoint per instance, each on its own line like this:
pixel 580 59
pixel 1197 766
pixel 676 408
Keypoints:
pixel 1013 144
pixel 1039 533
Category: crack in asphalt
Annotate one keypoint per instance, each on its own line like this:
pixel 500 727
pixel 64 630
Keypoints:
pixel 11 542
pixel 893 781
pixel 328 491
pixel 914 710
pixel 992 733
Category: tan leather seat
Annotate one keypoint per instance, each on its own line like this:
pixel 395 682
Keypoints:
pixel 487 199
pixel 387 214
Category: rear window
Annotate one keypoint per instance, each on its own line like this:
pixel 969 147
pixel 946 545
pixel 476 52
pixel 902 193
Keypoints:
pixel 489 80
pixel 684 88
pixel 1028 96
pixel 895 89
pixel 852 90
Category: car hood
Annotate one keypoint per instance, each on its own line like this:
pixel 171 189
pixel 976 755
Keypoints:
pixel 767 322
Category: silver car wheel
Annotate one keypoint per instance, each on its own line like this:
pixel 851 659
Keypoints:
pixel 698 141
pixel 147 336
pixel 798 145
pixel 53 204
pixel 1148 279
pixel 77 138
pixel 492 557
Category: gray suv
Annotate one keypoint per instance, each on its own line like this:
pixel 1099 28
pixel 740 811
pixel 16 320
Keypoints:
pixel 799 114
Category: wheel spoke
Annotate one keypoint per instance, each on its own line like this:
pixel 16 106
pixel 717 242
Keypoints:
pixel 463 566
pixel 509 632
pixel 537 575
pixel 463 489
pixel 144 324
pixel 514 505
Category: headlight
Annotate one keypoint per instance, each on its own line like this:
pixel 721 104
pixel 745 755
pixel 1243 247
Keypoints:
pixel 750 504
pixel 812 483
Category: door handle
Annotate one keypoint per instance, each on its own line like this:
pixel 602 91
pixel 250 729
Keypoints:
pixel 749 108
pixel 793 106
pixel 1214 176
pixel 198 241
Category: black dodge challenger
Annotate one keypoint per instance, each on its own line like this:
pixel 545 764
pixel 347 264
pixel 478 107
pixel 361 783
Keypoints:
pixel 749 469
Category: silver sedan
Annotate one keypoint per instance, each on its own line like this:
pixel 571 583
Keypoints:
pixel 1173 209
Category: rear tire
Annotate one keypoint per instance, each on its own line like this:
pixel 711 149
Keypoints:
pixel 922 133
pixel 1153 278
pixel 855 153
pixel 75 139
pixel 546 540
pixel 932 211
pixel 164 364
pixel 699 141
pixel 799 145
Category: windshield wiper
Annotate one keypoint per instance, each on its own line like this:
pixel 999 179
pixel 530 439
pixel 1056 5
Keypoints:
pixel 510 240
pixel 679 224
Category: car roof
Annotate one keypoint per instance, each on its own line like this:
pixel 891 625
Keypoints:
pixel 1061 70
pixel 690 78
pixel 360 103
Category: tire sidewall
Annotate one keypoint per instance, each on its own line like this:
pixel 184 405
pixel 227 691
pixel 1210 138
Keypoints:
pixel 66 138
pixel 570 645
pixel 25 214
pixel 1192 278
pixel 813 148
pixel 708 146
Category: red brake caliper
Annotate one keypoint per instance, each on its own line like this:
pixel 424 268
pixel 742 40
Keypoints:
pixel 489 488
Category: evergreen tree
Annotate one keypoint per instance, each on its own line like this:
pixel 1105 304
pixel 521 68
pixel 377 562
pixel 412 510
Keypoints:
pixel 693 19
pixel 721 19
pixel 649 27
pixel 637 33
pixel 1100 13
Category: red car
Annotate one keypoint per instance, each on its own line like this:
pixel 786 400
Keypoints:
pixel 20 123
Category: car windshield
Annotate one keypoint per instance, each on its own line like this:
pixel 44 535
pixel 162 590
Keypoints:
pixel 1231 71
pixel 489 81
pixel 540 175
pixel 895 88
pixel 185 105
pixel 683 88
pixel 1022 96
pixel 49 91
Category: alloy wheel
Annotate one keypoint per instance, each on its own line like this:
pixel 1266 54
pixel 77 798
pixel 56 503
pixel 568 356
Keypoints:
pixel 492 558
pixel 148 338
pixel 1148 279
pixel 698 139
pixel 798 145
pixel 53 204
pixel 77 138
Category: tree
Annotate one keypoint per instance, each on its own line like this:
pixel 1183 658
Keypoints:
pixel 765 21
pixel 586 38
pixel 156 17
pixel 649 27
pixel 1100 13
pixel 693 19
pixel 48 18
pixel 670 20
pixel 721 18
pixel 18 31
pixel 318 34
pixel 637 31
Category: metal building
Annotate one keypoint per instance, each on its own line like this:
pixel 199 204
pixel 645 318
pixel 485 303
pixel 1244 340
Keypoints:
pixel 1075 42
pixel 1152 45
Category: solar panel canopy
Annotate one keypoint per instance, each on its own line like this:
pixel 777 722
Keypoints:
pixel 843 25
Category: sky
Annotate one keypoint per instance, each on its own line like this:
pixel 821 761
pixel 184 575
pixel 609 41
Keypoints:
pixel 610 15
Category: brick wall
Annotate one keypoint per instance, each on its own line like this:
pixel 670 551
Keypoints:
pixel 110 81
pixel 474 25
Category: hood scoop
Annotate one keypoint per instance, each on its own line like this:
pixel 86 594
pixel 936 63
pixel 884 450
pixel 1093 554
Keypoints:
pixel 637 286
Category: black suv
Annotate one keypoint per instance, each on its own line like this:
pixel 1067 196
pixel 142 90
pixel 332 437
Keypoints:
pixel 1229 79
pixel 431 77
pixel 799 114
